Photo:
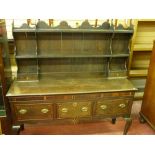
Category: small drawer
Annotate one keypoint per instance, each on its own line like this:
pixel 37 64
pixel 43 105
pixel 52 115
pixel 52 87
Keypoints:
pixel 73 110
pixel 59 97
pixel 92 96
pixel 113 107
pixel 29 98
pixel 36 111
pixel 117 94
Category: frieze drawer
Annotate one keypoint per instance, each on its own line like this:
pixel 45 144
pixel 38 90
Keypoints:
pixel 37 111
pixel 73 97
pixel 113 107
pixel 74 109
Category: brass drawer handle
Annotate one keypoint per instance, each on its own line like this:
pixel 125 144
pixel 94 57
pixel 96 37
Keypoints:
pixel 103 107
pixel 22 111
pixel 122 105
pixel 65 110
pixel 84 109
pixel 44 111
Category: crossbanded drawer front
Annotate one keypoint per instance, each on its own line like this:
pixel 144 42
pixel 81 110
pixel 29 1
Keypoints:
pixel 74 110
pixel 33 111
pixel 113 107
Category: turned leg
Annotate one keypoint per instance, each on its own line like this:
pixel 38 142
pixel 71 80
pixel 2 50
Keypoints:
pixel 127 125
pixel 113 120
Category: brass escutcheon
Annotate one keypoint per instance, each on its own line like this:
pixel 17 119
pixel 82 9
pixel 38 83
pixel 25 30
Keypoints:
pixel 64 110
pixel 103 107
pixel 44 111
pixel 22 111
pixel 122 105
pixel 84 109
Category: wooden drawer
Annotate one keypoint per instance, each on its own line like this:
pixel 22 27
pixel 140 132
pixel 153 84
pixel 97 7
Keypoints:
pixel 113 107
pixel 36 111
pixel 117 94
pixel 74 109
pixel 59 97
pixel 92 96
pixel 73 97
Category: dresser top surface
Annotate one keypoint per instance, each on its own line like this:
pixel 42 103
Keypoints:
pixel 69 86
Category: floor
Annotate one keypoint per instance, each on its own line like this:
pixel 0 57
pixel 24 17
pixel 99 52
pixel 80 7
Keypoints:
pixel 100 128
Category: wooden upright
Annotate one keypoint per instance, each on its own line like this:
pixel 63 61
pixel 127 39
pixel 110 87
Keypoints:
pixel 148 105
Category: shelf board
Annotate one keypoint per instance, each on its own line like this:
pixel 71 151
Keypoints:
pixel 63 30
pixel 120 55
pixel 124 31
pixel 70 56
pixel 26 56
pixel 138 73
pixel 142 48
pixel 138 95
pixel 73 30
pixel 146 20
pixel 24 30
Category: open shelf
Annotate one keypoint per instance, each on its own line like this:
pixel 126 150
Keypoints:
pixel 117 67
pixel 44 50
pixel 138 73
pixel 27 69
pixel 25 44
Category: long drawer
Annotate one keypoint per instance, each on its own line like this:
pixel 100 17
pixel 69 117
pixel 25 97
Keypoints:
pixel 38 111
pixel 74 109
pixel 113 107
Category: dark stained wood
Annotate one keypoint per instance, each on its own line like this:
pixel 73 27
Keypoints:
pixel 127 125
pixel 38 111
pixel 148 104
pixel 65 74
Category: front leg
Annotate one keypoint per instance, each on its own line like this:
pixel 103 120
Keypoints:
pixel 127 125
pixel 17 128
pixel 113 120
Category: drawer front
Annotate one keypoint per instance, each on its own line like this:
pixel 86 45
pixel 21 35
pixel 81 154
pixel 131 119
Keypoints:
pixel 92 96
pixel 113 107
pixel 122 106
pixel 74 110
pixel 73 97
pixel 33 111
pixel 103 107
